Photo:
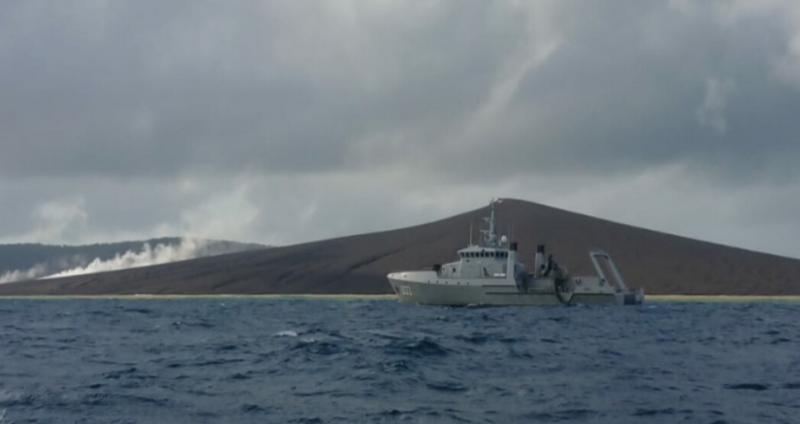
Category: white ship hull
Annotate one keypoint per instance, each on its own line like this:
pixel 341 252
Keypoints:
pixel 421 287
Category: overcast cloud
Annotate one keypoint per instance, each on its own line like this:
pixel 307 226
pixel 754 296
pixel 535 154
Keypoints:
pixel 281 122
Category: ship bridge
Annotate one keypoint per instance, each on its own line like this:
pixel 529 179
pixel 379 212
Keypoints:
pixel 483 252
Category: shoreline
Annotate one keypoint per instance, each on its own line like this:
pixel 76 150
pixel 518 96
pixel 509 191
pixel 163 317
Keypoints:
pixel 203 296
pixel 384 297
pixel 722 298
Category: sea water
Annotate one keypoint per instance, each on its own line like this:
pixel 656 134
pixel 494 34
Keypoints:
pixel 238 360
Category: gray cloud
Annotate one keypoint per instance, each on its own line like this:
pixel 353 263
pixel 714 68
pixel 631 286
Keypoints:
pixel 712 112
pixel 289 121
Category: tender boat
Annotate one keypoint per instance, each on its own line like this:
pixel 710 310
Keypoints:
pixel 488 273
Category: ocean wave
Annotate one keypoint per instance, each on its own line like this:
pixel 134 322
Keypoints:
pixel 187 361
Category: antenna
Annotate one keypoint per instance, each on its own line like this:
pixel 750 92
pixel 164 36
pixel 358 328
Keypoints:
pixel 489 234
pixel 470 233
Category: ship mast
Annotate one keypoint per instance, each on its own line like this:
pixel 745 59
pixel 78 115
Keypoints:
pixel 489 234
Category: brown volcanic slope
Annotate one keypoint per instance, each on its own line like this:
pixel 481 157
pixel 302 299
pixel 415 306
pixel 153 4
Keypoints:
pixel 661 263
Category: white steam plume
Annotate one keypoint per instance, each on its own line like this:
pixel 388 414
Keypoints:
pixel 23 274
pixel 188 249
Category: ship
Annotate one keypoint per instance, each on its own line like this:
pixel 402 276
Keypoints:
pixel 488 273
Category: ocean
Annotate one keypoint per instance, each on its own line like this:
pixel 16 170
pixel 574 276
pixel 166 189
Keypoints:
pixel 285 360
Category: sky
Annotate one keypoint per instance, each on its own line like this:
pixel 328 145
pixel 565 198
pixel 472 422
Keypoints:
pixel 288 121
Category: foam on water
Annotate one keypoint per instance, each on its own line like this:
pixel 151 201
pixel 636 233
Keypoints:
pixel 295 360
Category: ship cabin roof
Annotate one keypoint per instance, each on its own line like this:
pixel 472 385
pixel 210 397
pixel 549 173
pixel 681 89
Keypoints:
pixel 483 252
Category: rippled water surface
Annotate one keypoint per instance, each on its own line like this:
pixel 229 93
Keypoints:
pixel 318 361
